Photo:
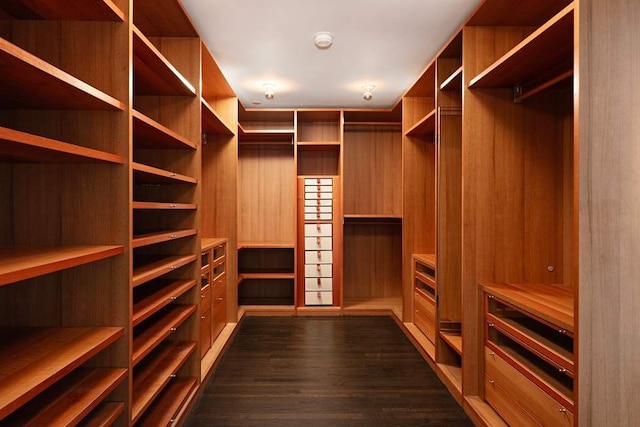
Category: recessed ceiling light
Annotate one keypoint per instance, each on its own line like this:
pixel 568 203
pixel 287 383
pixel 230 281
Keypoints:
pixel 323 40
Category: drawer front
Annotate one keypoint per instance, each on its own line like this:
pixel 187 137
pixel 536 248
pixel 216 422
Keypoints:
pixel 318 189
pixel 205 299
pixel 219 312
pixel 318 270
pixel 318 243
pixel 318 202
pixel 318 195
pixel 317 209
pixel 544 408
pixel 318 298
pixel 425 316
pixel 220 281
pixel 318 181
pixel 508 409
pixel 318 216
pixel 321 230
pixel 318 257
pixel 318 284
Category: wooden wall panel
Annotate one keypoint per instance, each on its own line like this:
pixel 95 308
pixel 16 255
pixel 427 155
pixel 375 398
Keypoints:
pixel 373 171
pixel 266 194
pixel 372 261
pixel 609 155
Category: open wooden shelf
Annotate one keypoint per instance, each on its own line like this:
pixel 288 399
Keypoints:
pixel 160 299
pixel 145 174
pixel 153 74
pixel 319 144
pixel 452 377
pixel 210 242
pixel 147 133
pixel 453 340
pixel 265 276
pixel 149 381
pixel 163 206
pixel 212 123
pixel 32 359
pixel 546 52
pixel 551 303
pixel 69 400
pixel 353 219
pixel 454 81
pixel 104 415
pixel 30 82
pixel 144 343
pixel 163 19
pixel 427 259
pixel 64 10
pixel 159 267
pixel 265 136
pixel 169 402
pixel 24 263
pixel 21 147
pixel 424 126
pixel 161 237
pixel 265 245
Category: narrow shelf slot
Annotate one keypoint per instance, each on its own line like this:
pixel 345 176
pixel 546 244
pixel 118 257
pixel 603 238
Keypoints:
pixel 30 82
pixel 212 123
pixel 150 379
pixel 159 299
pixel 25 263
pixel 145 174
pixel 453 340
pixel 147 133
pixel 163 206
pixel 161 237
pixel 65 10
pixel 265 276
pixel 17 146
pixel 69 400
pixel 105 414
pixel 169 402
pixel 427 259
pixel 543 52
pixel 32 359
pixel 153 74
pixel 152 336
pixel 265 245
pixel 159 267
pixel 369 219
pixel 425 126
pixel 454 81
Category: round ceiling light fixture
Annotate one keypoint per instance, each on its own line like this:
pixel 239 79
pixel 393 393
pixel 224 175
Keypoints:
pixel 323 40
pixel 368 92
pixel 269 91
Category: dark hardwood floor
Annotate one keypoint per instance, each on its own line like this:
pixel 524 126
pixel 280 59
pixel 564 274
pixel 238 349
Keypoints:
pixel 324 371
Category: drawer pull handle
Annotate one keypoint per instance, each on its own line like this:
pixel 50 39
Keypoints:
pixel 492 354
pixel 562 331
pixel 318 194
pixel 318 267
pixel 318 215
pixel 172 376
pixel 490 297
pixel 319 282
pixel 318 202
pixel 319 255
pixel 173 174
pixel 319 295
pixel 203 317
pixel 202 296
pixel 220 299
pixel 492 382
pixel 318 181
pixel 562 370
pixel 173 267
pixel 491 325
pixel 173 329
pixel 562 410
pixel 318 241
pixel 318 208
pixel 318 227
pixel 173 205
pixel 319 188
pixel 173 298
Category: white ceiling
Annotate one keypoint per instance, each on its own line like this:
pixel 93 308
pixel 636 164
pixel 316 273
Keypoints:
pixel 387 43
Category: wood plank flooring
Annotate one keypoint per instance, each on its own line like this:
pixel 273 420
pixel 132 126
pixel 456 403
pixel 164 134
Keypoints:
pixel 324 371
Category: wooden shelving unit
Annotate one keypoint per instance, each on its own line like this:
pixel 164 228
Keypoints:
pixel 169 401
pixel 151 134
pixel 63 10
pixel 159 299
pixel 159 267
pixel 151 175
pixel 107 413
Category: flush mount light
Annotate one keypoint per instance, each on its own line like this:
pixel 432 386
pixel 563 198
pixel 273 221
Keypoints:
pixel 368 92
pixel 323 40
pixel 269 89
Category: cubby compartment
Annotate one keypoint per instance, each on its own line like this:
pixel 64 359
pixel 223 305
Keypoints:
pixel 266 276
pixel 320 127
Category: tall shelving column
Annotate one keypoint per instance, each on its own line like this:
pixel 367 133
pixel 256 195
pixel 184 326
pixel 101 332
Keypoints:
pixel 166 219
pixel 64 213
pixel 219 194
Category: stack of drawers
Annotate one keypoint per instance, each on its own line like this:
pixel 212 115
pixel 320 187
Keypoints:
pixel 318 241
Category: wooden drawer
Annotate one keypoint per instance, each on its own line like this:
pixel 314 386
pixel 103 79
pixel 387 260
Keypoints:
pixel 205 261
pixel 205 332
pixel 218 254
pixel 425 316
pixel 318 298
pixel 318 202
pixel 316 243
pixel 318 189
pixel 318 181
pixel 317 209
pixel 205 299
pixel 219 312
pixel 318 270
pixel 508 408
pixel 318 257
pixel 535 401
pixel 219 281
pixel 318 216
pixel 318 284
pixel 318 195
pixel 321 230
